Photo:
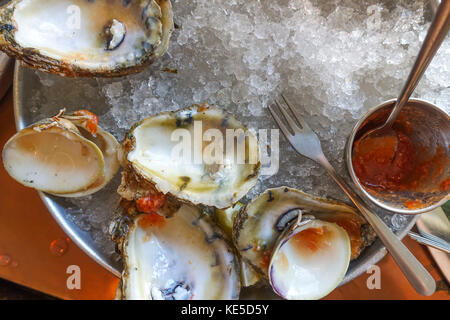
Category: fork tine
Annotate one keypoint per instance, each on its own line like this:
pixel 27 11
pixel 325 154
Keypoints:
pixel 280 123
pixel 296 114
pixel 293 126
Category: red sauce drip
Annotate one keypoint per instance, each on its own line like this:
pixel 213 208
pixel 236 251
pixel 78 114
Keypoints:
pixel 91 120
pixel 59 246
pixel 265 260
pixel 311 240
pixel 413 204
pixel 203 107
pixel 151 220
pixel 353 228
pixel 151 203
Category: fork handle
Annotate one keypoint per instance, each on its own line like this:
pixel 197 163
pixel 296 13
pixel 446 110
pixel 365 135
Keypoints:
pixel 429 242
pixel 416 274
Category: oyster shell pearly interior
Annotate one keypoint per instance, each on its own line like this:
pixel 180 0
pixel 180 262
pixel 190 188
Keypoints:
pixel 80 38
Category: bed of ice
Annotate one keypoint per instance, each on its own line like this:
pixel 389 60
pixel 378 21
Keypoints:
pixel 335 59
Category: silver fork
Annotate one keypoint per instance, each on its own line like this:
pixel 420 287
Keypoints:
pixel 306 143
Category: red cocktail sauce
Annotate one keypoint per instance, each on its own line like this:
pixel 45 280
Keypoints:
pixel 384 161
pixel 310 240
pixel 397 164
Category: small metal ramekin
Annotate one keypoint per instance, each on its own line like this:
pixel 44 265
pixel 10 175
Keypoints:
pixel 430 126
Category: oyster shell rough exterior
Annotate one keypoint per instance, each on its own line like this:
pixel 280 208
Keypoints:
pixel 182 257
pixel 148 153
pixel 80 38
pixel 225 219
pixel 259 225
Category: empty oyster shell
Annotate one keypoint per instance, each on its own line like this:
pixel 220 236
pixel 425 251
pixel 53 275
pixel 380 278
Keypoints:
pixel 175 256
pixel 108 146
pixel 80 38
pixel 225 219
pixel 62 157
pixel 151 153
pixel 259 225
pixel 310 260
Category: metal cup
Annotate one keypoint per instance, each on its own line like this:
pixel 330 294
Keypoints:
pixel 428 126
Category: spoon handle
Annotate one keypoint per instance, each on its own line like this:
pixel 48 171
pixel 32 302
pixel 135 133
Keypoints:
pixel 416 274
pixel 435 36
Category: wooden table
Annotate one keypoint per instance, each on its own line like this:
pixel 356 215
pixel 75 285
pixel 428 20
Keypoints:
pixel 27 229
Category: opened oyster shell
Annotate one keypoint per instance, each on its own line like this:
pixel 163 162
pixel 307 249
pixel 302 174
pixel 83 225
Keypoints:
pixel 225 219
pixel 173 254
pixel 310 259
pixel 108 145
pixel 259 225
pixel 169 151
pixel 80 38
pixel 68 156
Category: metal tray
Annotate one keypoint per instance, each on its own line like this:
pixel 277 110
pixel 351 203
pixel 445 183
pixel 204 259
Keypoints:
pixel 24 84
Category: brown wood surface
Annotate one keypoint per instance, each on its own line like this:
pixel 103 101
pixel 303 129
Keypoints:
pixel 27 229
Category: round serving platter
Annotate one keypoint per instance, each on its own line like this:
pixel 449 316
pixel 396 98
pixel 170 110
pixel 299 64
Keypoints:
pixel 86 220
pixel 24 84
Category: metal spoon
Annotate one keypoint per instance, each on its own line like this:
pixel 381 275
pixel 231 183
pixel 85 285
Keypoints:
pixel 435 36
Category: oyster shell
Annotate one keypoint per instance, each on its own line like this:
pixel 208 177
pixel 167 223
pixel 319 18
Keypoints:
pixel 225 219
pixel 108 145
pixel 62 157
pixel 310 260
pixel 258 226
pixel 149 153
pixel 174 255
pixel 79 38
